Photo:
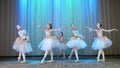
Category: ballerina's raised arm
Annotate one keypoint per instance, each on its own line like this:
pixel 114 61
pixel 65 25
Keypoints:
pixel 59 29
pixel 38 26
pixel 110 30
pixel 76 32
pixel 91 29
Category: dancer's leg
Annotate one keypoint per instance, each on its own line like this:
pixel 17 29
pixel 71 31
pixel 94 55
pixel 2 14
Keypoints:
pixel 19 57
pixel 59 53
pixel 71 54
pixel 51 54
pixel 46 52
pixel 63 54
pixel 24 58
pixel 98 57
pixel 103 55
pixel 76 55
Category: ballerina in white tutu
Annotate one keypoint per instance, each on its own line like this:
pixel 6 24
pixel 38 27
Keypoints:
pixel 101 42
pixel 49 41
pixel 62 47
pixel 22 44
pixel 76 43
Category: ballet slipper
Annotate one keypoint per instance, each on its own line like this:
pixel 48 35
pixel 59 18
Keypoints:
pixel 98 60
pixel 102 60
pixel 23 62
pixel 76 61
pixel 18 59
pixel 42 62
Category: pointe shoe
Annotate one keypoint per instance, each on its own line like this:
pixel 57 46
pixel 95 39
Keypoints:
pixel 103 60
pixel 42 61
pixel 98 60
pixel 23 62
pixel 18 59
pixel 76 61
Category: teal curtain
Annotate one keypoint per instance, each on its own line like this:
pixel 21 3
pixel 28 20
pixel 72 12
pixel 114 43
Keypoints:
pixel 59 13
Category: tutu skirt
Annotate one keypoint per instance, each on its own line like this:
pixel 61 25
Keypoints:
pixel 49 43
pixel 62 46
pixel 76 43
pixel 101 43
pixel 22 46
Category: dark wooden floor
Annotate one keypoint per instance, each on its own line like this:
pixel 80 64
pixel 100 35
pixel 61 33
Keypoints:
pixel 85 62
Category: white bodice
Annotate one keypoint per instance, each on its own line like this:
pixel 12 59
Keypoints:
pixel 76 32
pixel 48 33
pixel 61 39
pixel 100 32
pixel 23 34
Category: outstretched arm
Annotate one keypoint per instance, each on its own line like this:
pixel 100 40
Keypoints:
pixel 110 30
pixel 113 30
pixel 38 26
pixel 77 33
pixel 90 28
pixel 59 29
pixel 81 36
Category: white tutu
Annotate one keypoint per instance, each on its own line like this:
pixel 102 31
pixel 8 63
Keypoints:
pixel 101 43
pixel 62 46
pixel 76 43
pixel 48 44
pixel 23 46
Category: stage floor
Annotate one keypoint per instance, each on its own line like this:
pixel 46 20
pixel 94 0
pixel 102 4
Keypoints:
pixel 34 62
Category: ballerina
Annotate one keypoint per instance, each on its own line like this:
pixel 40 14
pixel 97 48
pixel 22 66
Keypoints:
pixel 49 42
pixel 22 44
pixel 76 43
pixel 62 46
pixel 101 42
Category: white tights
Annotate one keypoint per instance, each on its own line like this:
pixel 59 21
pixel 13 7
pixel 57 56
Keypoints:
pixel 63 52
pixel 76 54
pixel 23 56
pixel 101 52
pixel 45 55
